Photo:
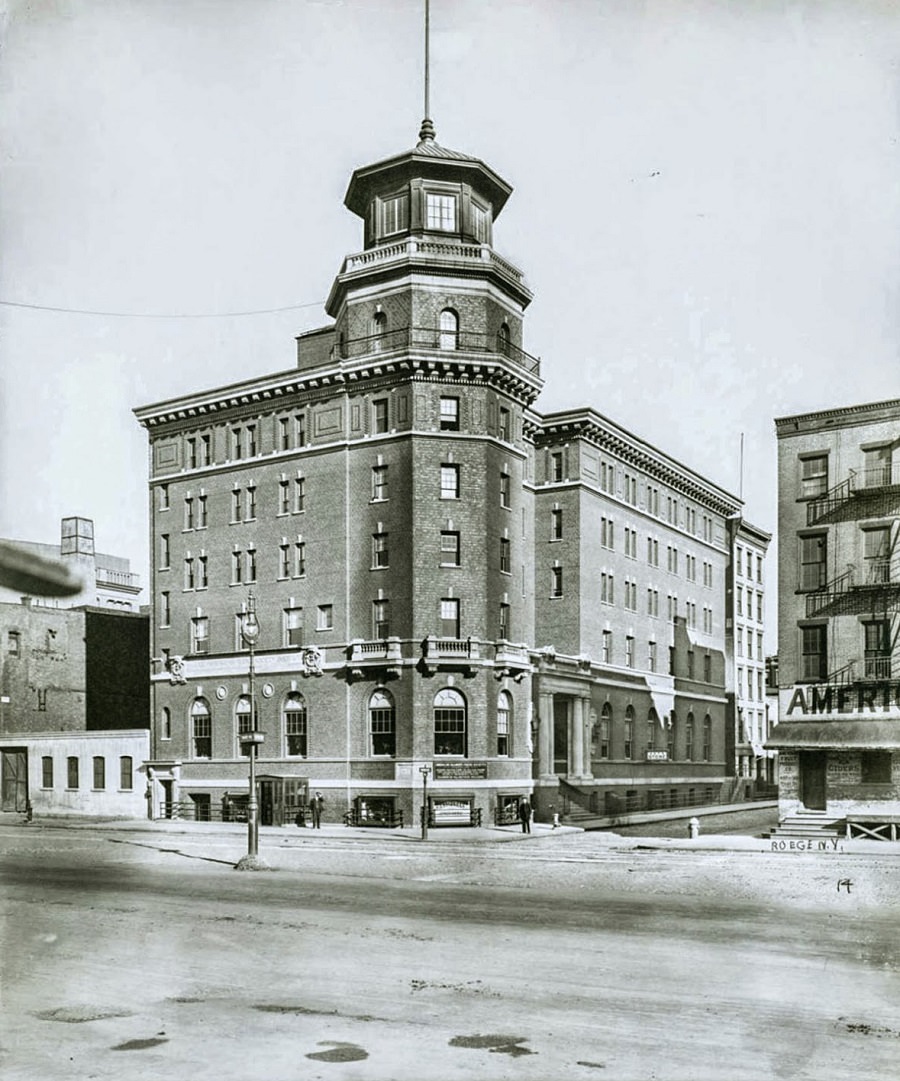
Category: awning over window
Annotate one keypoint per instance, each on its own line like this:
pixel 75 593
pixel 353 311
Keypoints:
pixel 662 692
pixel 855 734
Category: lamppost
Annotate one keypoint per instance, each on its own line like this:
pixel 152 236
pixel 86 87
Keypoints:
pixel 424 770
pixel 250 635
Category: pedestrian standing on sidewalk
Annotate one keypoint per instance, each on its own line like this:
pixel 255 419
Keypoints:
pixel 525 815
pixel 316 806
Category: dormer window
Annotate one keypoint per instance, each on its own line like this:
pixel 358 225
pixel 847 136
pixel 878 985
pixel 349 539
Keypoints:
pixel 440 212
pixel 395 214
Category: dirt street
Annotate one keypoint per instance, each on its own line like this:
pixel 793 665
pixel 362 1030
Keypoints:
pixel 139 955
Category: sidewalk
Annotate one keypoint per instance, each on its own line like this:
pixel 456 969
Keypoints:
pixel 281 837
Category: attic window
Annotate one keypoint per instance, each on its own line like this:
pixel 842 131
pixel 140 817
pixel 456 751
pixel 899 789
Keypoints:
pixel 440 212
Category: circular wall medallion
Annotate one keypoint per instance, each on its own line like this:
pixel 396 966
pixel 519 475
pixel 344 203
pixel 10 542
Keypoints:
pixel 268 690
pixel 221 693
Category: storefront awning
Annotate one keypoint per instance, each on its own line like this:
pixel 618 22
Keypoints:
pixel 849 734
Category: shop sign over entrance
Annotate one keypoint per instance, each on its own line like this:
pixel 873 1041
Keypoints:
pixel 817 699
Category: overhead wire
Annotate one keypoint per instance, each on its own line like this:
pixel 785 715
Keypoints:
pixel 159 315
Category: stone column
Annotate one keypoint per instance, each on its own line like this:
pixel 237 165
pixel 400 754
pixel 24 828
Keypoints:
pixel 586 710
pixel 545 735
pixel 576 737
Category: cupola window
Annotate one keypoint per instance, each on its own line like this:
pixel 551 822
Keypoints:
pixel 481 223
pixel 440 212
pixel 395 214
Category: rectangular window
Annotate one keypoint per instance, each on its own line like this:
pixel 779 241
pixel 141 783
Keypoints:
pixel 202 517
pixel 251 565
pixel 607 535
pixel 379 482
pixel 690 664
pixel 708 575
pixel 449 617
pixel 236 505
pixel 877 551
pixel 503 629
pixel 299 494
pixel 673 607
pixel 707 668
pixel 606 645
pixel 395 214
pixel 449 414
pixel 502 732
pixel 284 561
pixel 814 658
pixel 13 643
pixel 251 504
pixel 202 738
pixel 607 588
pixel 813 558
pixel 72 772
pixel 293 626
pixel 251 440
pixel 672 559
pixel 690 568
pixel 652 602
pixel 299 559
pixel 295 732
pixel 165 609
pixel 813 476
pixel 759 607
pixel 47 771
pixel 200 634
pixel 126 773
pixel 629 652
pixel 651 656
pixel 163 501
pixel 165 553
pixel 556 581
pixel 450 549
pixel 99 772
pixel 188 513
pixel 237 568
pixel 381 618
pixel 189 574
pixel 284 497
pixel 237 446
pixel 202 572
pixel 325 617
pixel 440 212
pixel 875 767
pixel 503 427
pixel 284 433
pixel 556 524
pixel 631 543
pixel 380 415
pixel 505 559
pixel 556 465
pixel 299 430
pixel 379 550
pixel 504 490
pixel 877 657
pixel 449 482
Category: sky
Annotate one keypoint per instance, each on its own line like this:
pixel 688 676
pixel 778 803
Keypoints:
pixel 706 206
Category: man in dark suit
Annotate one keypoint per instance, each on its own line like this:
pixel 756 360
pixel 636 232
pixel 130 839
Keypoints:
pixel 316 805
pixel 525 814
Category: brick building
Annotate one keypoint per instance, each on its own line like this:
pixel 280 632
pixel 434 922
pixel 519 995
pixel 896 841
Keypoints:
pixel 74 700
pixel 444 578
pixel 838 731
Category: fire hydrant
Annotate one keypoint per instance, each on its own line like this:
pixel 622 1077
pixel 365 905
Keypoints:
pixel 693 828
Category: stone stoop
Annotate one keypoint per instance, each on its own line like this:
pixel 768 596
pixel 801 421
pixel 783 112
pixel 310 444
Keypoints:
pixel 809 824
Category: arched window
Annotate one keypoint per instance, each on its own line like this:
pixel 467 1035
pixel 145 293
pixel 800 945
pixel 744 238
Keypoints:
pixel 449 722
pixel 379 330
pixel 245 723
pixel 504 717
pixel 689 738
pixel 449 326
pixel 707 738
pixel 293 724
pixel 165 723
pixel 629 732
pixel 382 726
pixel 652 725
pixel 670 735
pixel 605 726
pixel 201 728
pixel 503 339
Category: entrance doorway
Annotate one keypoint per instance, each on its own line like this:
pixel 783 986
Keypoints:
pixel 14 782
pixel 561 735
pixel 280 798
pixel 812 780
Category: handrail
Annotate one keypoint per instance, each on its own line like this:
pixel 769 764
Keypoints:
pixel 444 341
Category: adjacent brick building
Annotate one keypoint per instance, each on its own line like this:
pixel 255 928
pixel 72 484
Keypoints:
pixel 445 579
pixel 838 731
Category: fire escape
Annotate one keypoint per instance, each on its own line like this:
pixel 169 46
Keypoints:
pixel 871 590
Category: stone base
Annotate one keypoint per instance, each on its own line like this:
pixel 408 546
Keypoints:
pixel 252 863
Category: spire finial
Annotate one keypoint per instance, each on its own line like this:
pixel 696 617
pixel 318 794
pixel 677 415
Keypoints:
pixel 427 129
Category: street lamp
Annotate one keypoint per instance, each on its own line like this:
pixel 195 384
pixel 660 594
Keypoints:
pixel 424 770
pixel 250 635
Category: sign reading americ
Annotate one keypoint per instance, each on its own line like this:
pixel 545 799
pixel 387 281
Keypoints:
pixel 825 698
pixel 460 771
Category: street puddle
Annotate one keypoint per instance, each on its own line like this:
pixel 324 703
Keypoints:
pixel 340 1052
pixel 76 1015
pixel 139 1045
pixel 503 1045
